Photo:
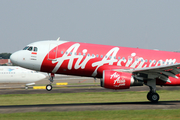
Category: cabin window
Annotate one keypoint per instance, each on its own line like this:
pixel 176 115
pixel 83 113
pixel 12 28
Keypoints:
pixel 79 53
pixel 101 56
pixel 119 58
pixel 92 55
pixel 61 52
pixel 97 55
pixel 114 57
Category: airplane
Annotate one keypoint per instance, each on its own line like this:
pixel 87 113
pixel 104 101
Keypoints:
pixel 117 67
pixel 16 74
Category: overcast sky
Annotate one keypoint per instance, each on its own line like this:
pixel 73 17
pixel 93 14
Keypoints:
pixel 153 24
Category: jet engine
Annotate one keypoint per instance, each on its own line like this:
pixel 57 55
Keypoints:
pixel 118 80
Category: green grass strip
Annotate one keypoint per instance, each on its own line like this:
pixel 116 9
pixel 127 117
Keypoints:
pixel 97 115
pixel 84 97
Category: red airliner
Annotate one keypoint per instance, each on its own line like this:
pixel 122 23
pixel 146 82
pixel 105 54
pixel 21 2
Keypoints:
pixel 117 67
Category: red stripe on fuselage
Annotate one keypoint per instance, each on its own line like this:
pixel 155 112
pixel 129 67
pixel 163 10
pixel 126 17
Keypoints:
pixel 128 58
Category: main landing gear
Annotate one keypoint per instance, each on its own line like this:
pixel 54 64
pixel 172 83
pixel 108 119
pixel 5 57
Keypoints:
pixel 152 95
pixel 49 86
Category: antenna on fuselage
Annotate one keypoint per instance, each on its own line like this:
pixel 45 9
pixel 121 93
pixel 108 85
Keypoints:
pixel 58 39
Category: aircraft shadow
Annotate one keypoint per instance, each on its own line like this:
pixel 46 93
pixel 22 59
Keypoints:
pixel 93 104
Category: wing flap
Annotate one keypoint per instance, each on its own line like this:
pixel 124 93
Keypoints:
pixel 168 73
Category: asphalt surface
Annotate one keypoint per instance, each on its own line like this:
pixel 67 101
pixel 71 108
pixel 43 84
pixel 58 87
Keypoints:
pixel 91 88
pixel 14 89
pixel 90 106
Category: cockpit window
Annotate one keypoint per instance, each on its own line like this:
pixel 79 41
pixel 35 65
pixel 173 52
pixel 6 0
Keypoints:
pixel 35 49
pixel 30 48
pixel 26 48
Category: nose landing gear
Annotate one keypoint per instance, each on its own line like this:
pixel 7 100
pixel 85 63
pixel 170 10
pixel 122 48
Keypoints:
pixel 49 86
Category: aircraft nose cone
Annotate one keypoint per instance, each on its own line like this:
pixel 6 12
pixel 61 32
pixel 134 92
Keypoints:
pixel 14 58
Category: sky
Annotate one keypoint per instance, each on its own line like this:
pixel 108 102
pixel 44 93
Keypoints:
pixel 148 24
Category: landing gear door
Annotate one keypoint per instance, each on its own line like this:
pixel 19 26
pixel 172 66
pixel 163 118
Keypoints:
pixel 52 55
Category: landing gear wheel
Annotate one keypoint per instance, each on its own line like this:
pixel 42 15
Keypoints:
pixel 49 87
pixel 26 87
pixel 149 95
pixel 153 97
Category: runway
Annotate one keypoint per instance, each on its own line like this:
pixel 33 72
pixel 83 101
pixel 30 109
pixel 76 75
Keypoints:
pixel 90 106
pixel 86 106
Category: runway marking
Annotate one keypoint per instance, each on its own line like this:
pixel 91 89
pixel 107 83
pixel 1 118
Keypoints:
pixel 39 87
pixel 65 83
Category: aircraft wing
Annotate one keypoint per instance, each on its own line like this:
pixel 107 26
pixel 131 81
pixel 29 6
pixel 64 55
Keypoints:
pixel 161 72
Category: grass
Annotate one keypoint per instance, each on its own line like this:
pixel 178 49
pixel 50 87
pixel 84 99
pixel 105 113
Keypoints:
pixel 87 97
pixel 84 97
pixel 97 115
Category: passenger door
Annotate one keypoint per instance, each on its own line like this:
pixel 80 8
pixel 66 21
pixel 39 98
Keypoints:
pixel 53 48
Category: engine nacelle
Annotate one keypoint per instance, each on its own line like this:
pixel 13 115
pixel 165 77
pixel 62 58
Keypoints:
pixel 117 80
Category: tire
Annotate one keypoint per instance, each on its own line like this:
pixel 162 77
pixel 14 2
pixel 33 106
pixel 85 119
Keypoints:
pixel 49 87
pixel 149 96
pixel 26 87
pixel 154 97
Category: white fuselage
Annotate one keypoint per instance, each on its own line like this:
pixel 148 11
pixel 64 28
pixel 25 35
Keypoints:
pixel 14 74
